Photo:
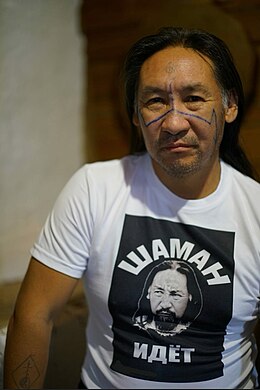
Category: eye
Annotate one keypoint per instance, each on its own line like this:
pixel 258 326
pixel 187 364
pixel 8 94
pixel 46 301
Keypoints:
pixel 194 99
pixel 155 100
pixel 155 103
pixel 158 292
pixel 194 102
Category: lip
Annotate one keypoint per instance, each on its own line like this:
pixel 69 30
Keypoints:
pixel 178 147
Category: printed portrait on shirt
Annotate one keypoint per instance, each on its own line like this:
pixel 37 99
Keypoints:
pixel 171 300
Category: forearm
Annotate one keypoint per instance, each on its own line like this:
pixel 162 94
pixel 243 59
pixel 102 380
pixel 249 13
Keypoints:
pixel 26 353
pixel 42 295
pixel 257 336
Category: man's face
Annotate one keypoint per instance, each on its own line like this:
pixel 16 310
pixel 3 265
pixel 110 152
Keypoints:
pixel 169 295
pixel 180 111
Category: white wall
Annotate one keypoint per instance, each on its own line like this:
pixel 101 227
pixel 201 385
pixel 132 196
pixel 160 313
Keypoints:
pixel 41 118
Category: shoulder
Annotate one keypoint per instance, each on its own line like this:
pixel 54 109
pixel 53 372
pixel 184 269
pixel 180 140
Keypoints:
pixel 102 179
pixel 244 190
pixel 245 183
pixel 98 179
pixel 114 166
pixel 111 172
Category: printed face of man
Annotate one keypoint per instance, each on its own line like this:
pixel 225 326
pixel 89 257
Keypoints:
pixel 168 296
pixel 180 111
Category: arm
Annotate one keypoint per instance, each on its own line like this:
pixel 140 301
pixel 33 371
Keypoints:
pixel 42 295
pixel 257 336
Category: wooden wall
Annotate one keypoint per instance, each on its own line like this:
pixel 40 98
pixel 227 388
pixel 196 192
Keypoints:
pixel 248 14
pixel 110 27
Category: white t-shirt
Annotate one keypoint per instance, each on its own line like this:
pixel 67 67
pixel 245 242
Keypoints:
pixel 116 225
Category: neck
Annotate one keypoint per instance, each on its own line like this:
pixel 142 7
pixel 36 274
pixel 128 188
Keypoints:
pixel 194 186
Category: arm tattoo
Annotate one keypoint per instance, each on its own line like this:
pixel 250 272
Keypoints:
pixel 26 373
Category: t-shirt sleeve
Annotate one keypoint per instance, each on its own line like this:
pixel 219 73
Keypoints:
pixel 64 242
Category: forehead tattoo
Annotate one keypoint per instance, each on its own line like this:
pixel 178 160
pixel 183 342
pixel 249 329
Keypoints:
pixel 170 67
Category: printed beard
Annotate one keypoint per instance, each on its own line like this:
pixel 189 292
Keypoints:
pixel 166 321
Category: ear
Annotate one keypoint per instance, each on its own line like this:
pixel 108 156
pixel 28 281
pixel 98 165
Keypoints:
pixel 232 109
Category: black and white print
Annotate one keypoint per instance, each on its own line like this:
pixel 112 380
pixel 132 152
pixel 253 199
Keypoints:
pixel 171 300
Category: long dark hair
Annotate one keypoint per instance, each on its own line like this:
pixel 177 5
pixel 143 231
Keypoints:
pixel 225 72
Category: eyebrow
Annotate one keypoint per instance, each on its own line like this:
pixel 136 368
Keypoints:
pixel 197 87
pixel 152 89
pixel 191 88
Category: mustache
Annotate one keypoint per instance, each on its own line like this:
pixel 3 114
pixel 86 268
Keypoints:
pixel 165 320
pixel 165 315
pixel 167 139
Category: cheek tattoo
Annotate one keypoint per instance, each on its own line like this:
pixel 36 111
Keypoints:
pixel 173 109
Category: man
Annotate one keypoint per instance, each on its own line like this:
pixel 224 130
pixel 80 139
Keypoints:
pixel 186 193
pixel 175 299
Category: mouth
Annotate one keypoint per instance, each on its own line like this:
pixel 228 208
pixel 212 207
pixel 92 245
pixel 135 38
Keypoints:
pixel 166 321
pixel 166 316
pixel 177 147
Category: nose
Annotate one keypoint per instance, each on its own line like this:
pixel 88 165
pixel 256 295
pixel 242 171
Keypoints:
pixel 165 302
pixel 175 122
